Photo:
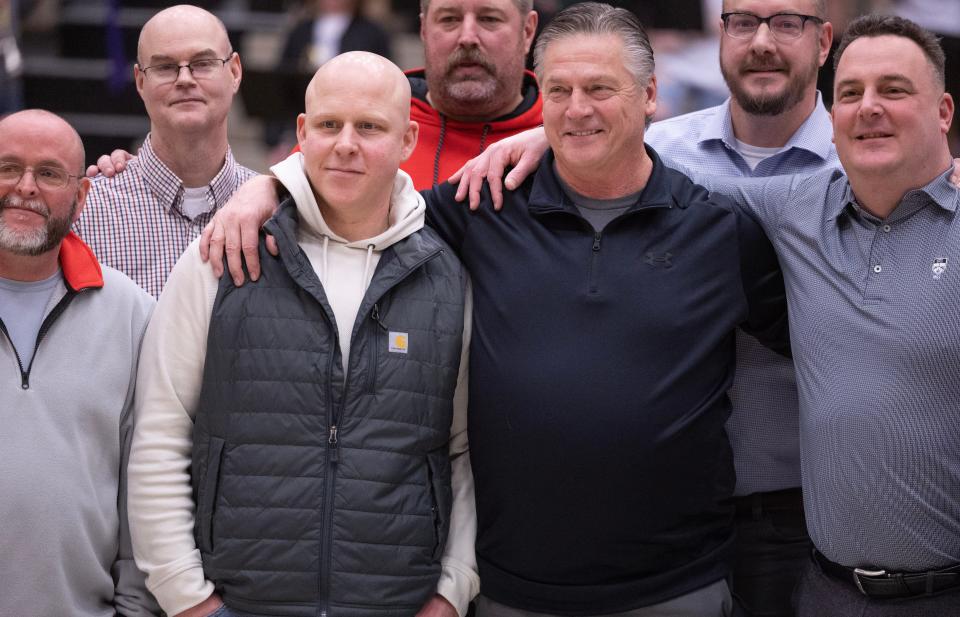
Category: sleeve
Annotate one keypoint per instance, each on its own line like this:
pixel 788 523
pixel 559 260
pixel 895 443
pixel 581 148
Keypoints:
pixel 763 285
pixel 160 501
pixel 131 598
pixel 447 216
pixel 762 198
pixel 459 582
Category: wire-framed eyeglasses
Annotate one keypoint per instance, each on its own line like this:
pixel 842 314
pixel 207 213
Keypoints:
pixel 46 176
pixel 201 68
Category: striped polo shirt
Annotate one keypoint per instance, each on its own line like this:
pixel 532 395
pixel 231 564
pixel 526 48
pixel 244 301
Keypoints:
pixel 134 221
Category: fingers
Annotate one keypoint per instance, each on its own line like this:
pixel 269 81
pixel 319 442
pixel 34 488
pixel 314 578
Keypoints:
pixel 105 166
pixel 119 159
pixel 272 247
pixel 249 246
pixel 232 246
pixel 215 252
pixel 92 171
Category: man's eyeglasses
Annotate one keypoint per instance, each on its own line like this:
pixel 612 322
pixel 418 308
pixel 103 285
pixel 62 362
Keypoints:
pixel 203 68
pixel 46 176
pixel 783 26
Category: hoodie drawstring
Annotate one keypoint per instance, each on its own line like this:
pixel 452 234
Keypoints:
pixel 366 266
pixel 323 269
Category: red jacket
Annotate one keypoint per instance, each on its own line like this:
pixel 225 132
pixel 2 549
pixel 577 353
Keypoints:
pixel 445 145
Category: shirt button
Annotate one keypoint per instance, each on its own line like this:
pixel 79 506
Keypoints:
pixel 877 269
pixel 886 228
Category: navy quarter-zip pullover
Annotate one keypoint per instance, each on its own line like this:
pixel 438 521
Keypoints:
pixel 599 367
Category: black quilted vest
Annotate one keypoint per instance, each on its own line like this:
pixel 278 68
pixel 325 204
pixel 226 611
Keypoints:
pixel 315 498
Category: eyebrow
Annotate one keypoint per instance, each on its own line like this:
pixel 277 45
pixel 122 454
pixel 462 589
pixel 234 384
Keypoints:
pixel 165 58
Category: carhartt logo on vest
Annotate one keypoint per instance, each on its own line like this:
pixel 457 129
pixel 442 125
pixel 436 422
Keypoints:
pixel 398 342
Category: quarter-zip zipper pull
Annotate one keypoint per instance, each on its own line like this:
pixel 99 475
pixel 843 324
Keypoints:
pixel 334 446
pixel 596 241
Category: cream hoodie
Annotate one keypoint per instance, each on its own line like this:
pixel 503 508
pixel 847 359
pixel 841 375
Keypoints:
pixel 161 508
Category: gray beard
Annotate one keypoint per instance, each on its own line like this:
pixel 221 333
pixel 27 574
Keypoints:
pixel 39 241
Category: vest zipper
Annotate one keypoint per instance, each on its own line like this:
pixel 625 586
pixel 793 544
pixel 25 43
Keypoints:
pixel 375 356
pixel 44 327
pixel 333 448
pixel 333 457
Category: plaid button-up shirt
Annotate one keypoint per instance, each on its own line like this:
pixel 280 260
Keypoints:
pixel 134 222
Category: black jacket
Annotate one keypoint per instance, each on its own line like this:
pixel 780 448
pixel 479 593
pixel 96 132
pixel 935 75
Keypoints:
pixel 599 367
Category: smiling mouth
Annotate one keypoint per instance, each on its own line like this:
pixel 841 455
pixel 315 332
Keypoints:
pixel 867 136
pixel 344 171
pixel 583 133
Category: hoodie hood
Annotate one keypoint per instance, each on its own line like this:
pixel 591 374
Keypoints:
pixel 407 208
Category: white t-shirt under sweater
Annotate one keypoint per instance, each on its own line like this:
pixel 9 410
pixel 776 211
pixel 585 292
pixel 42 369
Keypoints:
pixel 161 508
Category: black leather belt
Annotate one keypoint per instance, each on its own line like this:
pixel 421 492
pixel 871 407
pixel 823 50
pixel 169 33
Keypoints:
pixel 883 584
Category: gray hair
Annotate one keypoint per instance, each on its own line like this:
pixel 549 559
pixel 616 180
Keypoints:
pixel 598 18
pixel 524 6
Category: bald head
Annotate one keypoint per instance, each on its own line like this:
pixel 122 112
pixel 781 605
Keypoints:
pixel 364 74
pixel 182 17
pixel 39 124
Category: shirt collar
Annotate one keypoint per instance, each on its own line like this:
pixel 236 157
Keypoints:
pixel 940 192
pixel 167 187
pixel 815 135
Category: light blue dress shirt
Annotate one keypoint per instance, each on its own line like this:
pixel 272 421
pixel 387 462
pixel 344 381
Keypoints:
pixel 763 427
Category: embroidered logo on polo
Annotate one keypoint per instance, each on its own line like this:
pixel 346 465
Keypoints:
pixel 655 260
pixel 399 342
pixel 939 267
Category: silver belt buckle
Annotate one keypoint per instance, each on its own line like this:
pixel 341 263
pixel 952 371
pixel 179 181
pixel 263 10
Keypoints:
pixel 858 572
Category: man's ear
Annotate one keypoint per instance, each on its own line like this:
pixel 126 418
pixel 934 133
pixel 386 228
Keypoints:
pixel 301 129
pixel 529 30
pixel 409 140
pixel 83 187
pixel 945 111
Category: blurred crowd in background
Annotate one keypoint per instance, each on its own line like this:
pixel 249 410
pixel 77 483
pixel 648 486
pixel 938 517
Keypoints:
pixel 74 57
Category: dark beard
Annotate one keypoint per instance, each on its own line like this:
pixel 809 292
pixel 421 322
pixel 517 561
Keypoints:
pixel 770 104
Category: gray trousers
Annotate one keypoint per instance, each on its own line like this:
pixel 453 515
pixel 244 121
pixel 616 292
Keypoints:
pixel 820 595
pixel 710 601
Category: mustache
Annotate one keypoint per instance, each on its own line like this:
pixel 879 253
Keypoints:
pixel 761 65
pixel 470 55
pixel 34 205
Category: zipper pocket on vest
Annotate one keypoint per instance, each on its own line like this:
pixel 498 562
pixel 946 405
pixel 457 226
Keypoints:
pixel 208 497
pixel 438 533
pixel 375 355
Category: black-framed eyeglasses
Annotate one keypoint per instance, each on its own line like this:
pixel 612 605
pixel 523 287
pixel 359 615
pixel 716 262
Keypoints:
pixel 46 176
pixel 202 68
pixel 783 26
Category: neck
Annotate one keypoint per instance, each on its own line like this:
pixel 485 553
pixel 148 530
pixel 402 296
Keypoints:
pixel 354 222
pixel 881 193
pixel 625 179
pixel 468 112
pixel 195 159
pixel 771 131
pixel 26 268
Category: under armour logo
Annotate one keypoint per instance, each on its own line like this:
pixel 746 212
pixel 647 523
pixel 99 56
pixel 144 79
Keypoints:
pixel 652 259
